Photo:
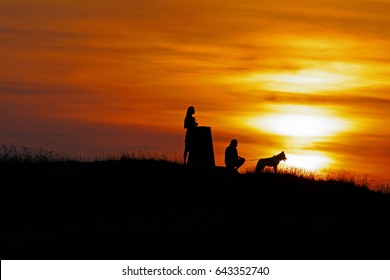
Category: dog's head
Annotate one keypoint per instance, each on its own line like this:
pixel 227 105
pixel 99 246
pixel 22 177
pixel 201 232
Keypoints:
pixel 282 156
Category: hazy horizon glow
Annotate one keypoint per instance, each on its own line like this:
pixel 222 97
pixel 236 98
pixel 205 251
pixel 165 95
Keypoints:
pixel 309 78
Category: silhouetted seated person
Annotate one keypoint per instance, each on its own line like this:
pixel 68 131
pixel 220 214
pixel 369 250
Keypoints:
pixel 232 160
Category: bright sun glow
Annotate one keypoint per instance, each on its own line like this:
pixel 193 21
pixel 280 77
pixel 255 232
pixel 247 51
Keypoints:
pixel 297 129
pixel 311 162
pixel 299 121
pixel 299 125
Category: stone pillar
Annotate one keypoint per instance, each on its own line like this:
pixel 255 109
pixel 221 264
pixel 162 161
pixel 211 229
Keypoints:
pixel 202 152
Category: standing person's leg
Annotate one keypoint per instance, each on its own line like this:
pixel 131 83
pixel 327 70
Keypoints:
pixel 186 150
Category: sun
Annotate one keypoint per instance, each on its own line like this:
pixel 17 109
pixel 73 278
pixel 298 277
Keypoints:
pixel 311 161
pixel 298 129
pixel 299 121
pixel 299 125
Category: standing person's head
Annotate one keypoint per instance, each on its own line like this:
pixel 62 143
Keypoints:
pixel 233 142
pixel 190 110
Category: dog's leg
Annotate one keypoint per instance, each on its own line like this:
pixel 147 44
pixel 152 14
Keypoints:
pixel 259 166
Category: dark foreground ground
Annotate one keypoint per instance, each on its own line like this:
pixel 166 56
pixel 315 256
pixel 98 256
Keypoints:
pixel 146 209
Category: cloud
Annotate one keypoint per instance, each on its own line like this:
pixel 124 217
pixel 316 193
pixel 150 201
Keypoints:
pixel 73 70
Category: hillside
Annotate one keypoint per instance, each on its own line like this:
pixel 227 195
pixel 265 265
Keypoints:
pixel 158 209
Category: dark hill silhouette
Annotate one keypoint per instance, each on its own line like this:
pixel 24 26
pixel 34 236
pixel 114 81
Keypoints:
pixel 157 209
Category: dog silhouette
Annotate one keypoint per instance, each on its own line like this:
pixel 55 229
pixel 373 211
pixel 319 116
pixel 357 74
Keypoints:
pixel 271 161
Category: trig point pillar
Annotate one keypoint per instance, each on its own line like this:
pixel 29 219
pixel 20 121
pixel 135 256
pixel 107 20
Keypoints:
pixel 202 152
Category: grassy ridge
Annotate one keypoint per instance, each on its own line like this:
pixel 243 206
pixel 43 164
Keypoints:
pixel 146 207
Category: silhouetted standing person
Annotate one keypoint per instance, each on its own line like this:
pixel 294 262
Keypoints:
pixel 232 160
pixel 189 124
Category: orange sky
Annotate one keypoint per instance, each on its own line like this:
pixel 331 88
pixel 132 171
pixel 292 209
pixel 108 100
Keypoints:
pixel 306 77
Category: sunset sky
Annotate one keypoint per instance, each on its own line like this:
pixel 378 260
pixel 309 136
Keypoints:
pixel 311 78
